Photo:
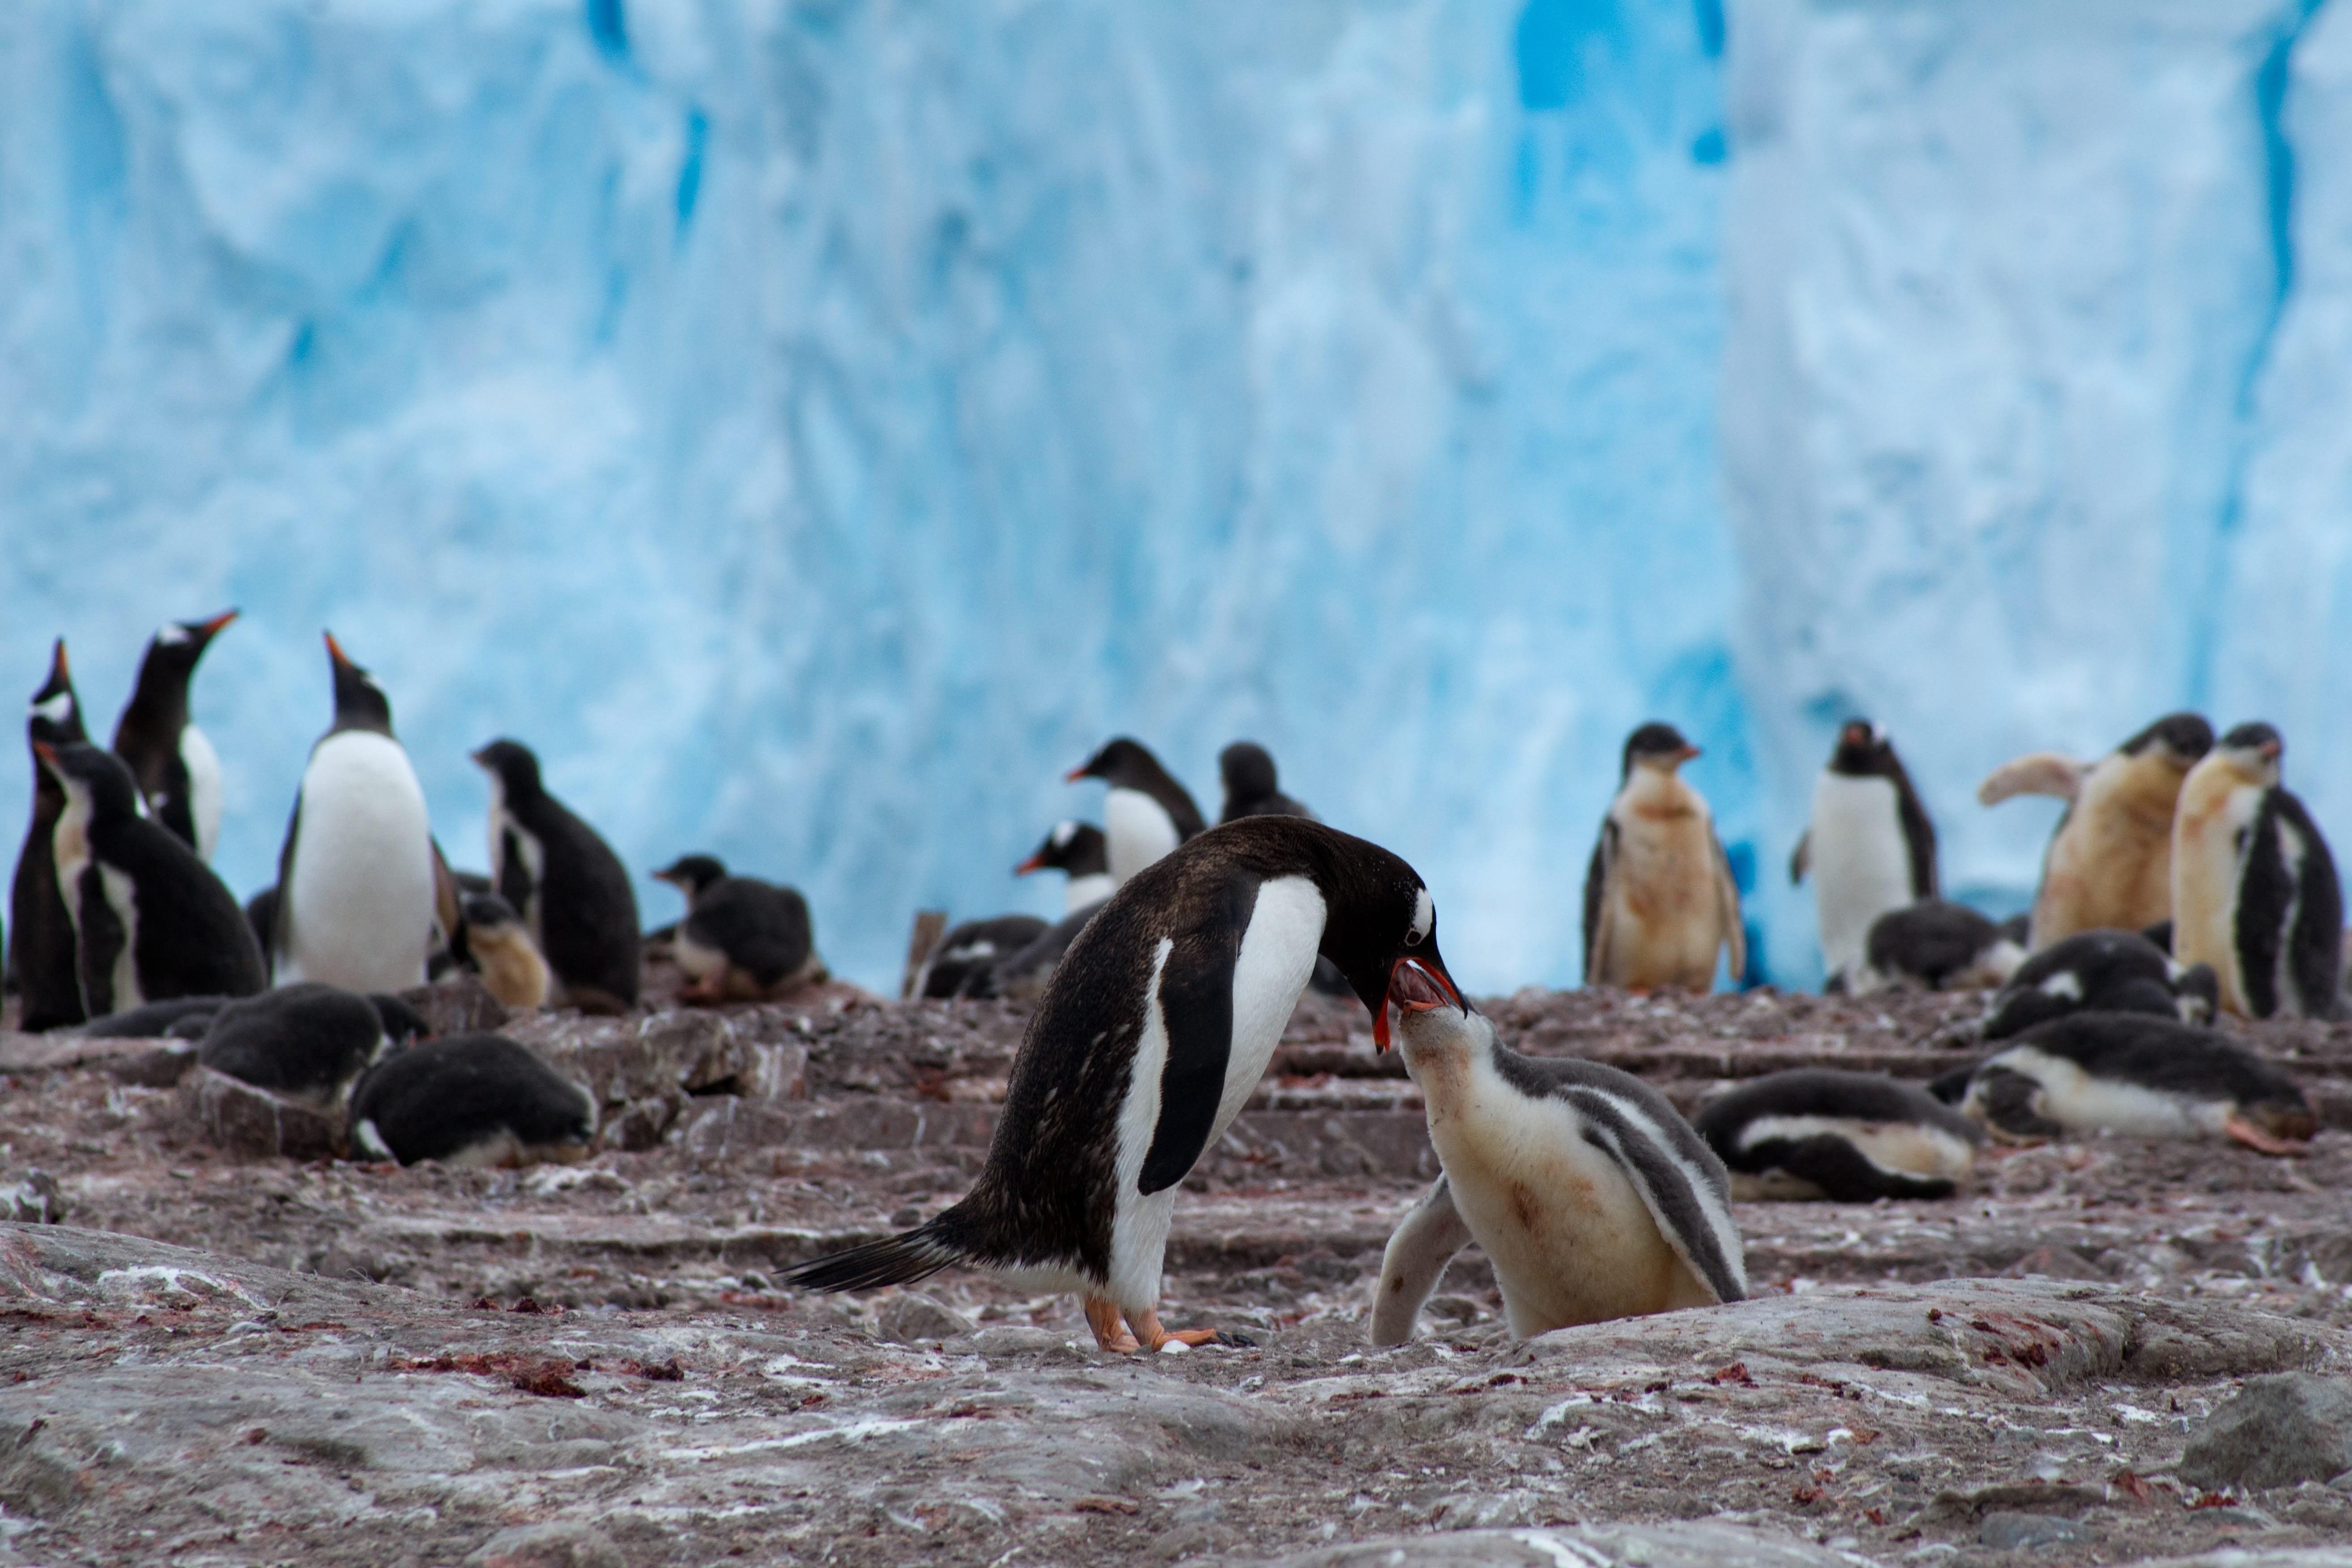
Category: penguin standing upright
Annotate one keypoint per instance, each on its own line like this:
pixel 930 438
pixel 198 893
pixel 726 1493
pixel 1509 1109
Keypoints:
pixel 1250 787
pixel 1659 899
pixel 40 929
pixel 1147 813
pixel 355 884
pixel 151 921
pixel 2109 864
pixel 1869 846
pixel 178 771
pixel 2255 892
pixel 571 890
pixel 1150 1037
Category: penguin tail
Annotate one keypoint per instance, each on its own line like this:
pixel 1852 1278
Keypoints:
pixel 901 1259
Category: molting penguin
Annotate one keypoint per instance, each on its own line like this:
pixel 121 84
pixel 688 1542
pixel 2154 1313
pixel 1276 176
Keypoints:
pixel 1659 899
pixel 1589 1193
pixel 355 882
pixel 1155 1028
pixel 1870 847
pixel 503 954
pixel 1848 1137
pixel 471 1099
pixel 1251 789
pixel 41 929
pixel 569 887
pixel 2109 865
pixel 742 940
pixel 307 1041
pixel 1079 850
pixel 178 771
pixel 958 964
pixel 2140 1075
pixel 1147 814
pixel 2254 892
pixel 2102 972
pixel 151 921
pixel 1935 943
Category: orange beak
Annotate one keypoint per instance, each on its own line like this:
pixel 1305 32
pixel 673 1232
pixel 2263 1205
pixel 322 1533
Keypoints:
pixel 212 626
pixel 1687 754
pixel 1416 985
pixel 1073 776
pixel 58 670
pixel 1034 863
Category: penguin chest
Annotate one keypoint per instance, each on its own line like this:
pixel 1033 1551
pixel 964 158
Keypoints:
pixel 2110 865
pixel 202 764
pixel 2079 1102
pixel 1662 899
pixel 2208 857
pixel 1860 862
pixel 1138 829
pixel 360 896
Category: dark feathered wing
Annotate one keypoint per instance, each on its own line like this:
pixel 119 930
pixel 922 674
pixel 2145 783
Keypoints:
pixel 1596 882
pixel 1196 1002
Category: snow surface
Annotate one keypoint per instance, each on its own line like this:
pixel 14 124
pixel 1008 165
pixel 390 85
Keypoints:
pixel 814 427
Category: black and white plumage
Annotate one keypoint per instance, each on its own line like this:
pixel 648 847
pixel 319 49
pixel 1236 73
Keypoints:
pixel 471 1099
pixel 355 879
pixel 1848 1137
pixel 1937 945
pixel 1082 854
pixel 307 1041
pixel 1869 846
pixel 741 939
pixel 1589 1195
pixel 1659 899
pixel 1251 788
pixel 2137 1075
pixel 1146 814
pixel 2254 889
pixel 959 963
pixel 1155 1028
pixel 178 771
pixel 151 921
pixel 2102 972
pixel 41 929
pixel 572 891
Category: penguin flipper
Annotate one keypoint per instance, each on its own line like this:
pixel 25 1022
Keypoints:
pixel 281 936
pixel 2315 956
pixel 1681 1182
pixel 1845 1173
pixel 1195 1000
pixel 2036 772
pixel 1801 857
pixel 99 940
pixel 1424 1243
pixel 1596 891
pixel 1726 910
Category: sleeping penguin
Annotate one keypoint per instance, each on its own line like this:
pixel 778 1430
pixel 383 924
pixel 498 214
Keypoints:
pixel 2101 971
pixel 1147 814
pixel 2137 1075
pixel 957 965
pixel 471 1099
pixel 502 953
pixel 40 931
pixel 1869 846
pixel 1848 1137
pixel 1659 898
pixel 306 1041
pixel 2255 892
pixel 742 940
pixel 178 771
pixel 1937 944
pixel 571 890
pixel 151 921
pixel 2109 864
pixel 1587 1191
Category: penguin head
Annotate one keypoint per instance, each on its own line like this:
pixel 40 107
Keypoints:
pixel 1248 770
pixel 2253 752
pixel 401 1023
pixel 2180 739
pixel 55 716
pixel 1656 746
pixel 511 764
pixel 1380 928
pixel 1861 749
pixel 1076 848
pixel 692 874
pixel 490 915
pixel 97 780
pixel 360 702
pixel 1120 762
pixel 177 645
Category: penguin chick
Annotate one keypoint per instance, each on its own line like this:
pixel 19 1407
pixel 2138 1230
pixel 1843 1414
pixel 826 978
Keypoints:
pixel 1147 814
pixel 741 940
pixel 151 921
pixel 471 1099
pixel 2109 864
pixel 40 931
pixel 564 880
pixel 504 954
pixel 1592 1197
pixel 1081 852
pixel 1938 944
pixel 1659 899
pixel 2137 1075
pixel 2100 971
pixel 1848 1137
pixel 2254 890
pixel 1870 847
pixel 182 1017
pixel 962 953
pixel 178 771
pixel 307 1041
pixel 1251 790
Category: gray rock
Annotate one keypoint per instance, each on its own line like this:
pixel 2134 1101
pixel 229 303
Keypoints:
pixel 458 1004
pixel 252 1122
pixel 1017 1339
pixel 2276 1431
pixel 36 1200
pixel 548 1546
pixel 2006 1532
pixel 1599 1546
pixel 911 1318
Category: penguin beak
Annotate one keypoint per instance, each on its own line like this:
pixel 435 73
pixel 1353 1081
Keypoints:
pixel 335 651
pixel 1687 754
pixel 1034 863
pixel 1074 774
pixel 58 671
pixel 47 753
pixel 209 629
pixel 1416 985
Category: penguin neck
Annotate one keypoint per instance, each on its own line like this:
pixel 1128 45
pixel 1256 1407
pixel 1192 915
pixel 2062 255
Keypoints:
pixel 1086 890
pixel 1655 793
pixel 158 707
pixel 1446 1056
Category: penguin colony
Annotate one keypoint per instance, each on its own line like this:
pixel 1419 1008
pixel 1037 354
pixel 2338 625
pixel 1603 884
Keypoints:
pixel 2183 882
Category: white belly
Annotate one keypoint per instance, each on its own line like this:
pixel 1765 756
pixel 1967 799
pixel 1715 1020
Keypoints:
pixel 1911 1148
pixel 2081 1103
pixel 1140 831
pixel 533 853
pixel 1084 892
pixel 196 754
pixel 1861 863
pixel 2207 866
pixel 359 902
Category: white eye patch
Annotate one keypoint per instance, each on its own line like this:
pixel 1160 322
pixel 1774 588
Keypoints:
pixel 56 710
pixel 170 632
pixel 1424 917
pixel 1063 833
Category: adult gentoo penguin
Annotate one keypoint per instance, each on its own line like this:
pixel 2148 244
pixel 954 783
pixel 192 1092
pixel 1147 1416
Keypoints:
pixel 2254 892
pixel 742 939
pixel 1659 899
pixel 1870 847
pixel 355 884
pixel 1589 1193
pixel 151 921
pixel 571 890
pixel 1080 852
pixel 1849 1137
pixel 2102 972
pixel 471 1099
pixel 1147 814
pixel 1251 789
pixel 178 771
pixel 1156 1027
pixel 40 929
pixel 2141 1075
pixel 2109 864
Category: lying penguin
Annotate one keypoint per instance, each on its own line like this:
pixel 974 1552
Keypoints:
pixel 1849 1137
pixel 742 940
pixel 1937 945
pixel 2140 1075
pixel 1589 1195
pixel 471 1099
pixel 2102 972
pixel 957 965
pixel 306 1041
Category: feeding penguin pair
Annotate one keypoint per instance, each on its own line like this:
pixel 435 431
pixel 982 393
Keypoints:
pixel 1848 1137
pixel 742 940
pixel 1592 1198
pixel 1659 898
pixel 177 770
pixel 1869 846
pixel 564 880
pixel 41 955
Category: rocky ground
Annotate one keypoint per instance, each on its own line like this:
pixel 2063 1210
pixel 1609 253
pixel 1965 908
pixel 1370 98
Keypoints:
pixel 229 1353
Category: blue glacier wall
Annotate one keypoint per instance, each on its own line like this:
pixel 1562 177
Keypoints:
pixel 814 426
